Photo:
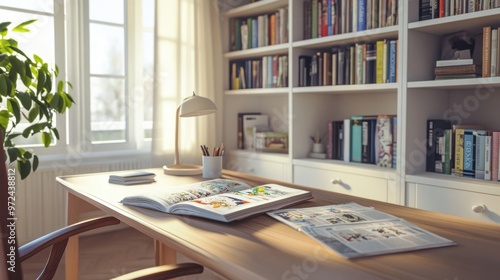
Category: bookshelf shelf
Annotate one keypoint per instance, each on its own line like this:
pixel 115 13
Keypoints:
pixel 258 91
pixel 348 89
pixel 450 24
pixel 258 52
pixel 348 38
pixel 456 84
pixel 256 8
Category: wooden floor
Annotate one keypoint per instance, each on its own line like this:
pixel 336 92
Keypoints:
pixel 109 254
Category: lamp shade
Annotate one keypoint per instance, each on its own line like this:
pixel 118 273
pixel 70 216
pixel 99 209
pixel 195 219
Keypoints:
pixel 196 106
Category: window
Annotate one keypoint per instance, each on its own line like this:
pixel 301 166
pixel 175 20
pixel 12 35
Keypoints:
pixel 105 49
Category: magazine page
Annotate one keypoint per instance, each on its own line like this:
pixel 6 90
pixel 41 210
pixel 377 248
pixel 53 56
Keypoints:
pixel 242 203
pixel 375 238
pixel 328 215
pixel 161 198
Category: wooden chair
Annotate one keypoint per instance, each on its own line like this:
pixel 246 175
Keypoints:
pixel 11 256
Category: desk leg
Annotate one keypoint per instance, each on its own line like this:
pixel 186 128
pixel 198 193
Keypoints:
pixel 164 254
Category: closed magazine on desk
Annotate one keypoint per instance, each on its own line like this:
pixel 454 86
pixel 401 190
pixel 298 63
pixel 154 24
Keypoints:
pixel 354 231
pixel 219 199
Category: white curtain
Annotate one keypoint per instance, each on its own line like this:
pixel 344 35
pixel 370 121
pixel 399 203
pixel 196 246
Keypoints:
pixel 188 58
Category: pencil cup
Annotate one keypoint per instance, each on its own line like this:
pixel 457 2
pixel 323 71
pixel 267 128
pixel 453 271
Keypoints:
pixel 212 167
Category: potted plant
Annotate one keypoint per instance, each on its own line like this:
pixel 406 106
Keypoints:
pixel 30 93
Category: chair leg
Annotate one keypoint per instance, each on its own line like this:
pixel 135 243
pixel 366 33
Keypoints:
pixel 53 262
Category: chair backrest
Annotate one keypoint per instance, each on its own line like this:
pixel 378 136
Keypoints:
pixel 10 266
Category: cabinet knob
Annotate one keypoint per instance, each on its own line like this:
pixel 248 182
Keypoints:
pixel 481 208
pixel 336 181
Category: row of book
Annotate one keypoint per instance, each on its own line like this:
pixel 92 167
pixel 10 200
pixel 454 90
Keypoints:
pixel 463 150
pixel 480 57
pixel 267 72
pixel 259 31
pixel 430 9
pixel 363 139
pixel 363 63
pixel 330 17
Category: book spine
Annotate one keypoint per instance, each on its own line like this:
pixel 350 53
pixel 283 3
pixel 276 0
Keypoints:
pixel 435 131
pixel 385 142
pixel 394 141
pixel 447 151
pixel 480 156
pixel 362 15
pixel 347 140
pixel 356 140
pixel 329 144
pixel 494 52
pixel 379 61
pixel 365 142
pixel 487 157
pixel 392 60
pixel 307 19
pixel 459 152
pixel 495 147
pixel 486 51
pixel 469 154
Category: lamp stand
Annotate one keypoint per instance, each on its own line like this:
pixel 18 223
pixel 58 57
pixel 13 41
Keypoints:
pixel 177 168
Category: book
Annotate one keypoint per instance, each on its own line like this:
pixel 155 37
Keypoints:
pixel 454 62
pixel 241 139
pixel 132 178
pixel 353 230
pixel 459 69
pixel 384 141
pixel 218 199
pixel 434 155
pixel 486 51
pixel 250 122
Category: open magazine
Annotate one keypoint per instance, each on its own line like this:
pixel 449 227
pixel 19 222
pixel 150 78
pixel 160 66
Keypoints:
pixel 354 231
pixel 219 199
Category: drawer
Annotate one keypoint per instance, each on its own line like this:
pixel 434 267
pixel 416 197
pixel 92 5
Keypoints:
pixel 342 182
pixel 467 204
pixel 259 167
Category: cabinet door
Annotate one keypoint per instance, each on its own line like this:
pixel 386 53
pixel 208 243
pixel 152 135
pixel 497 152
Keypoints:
pixel 467 204
pixel 342 182
pixel 258 167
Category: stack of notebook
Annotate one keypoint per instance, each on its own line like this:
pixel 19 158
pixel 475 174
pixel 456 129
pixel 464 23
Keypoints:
pixel 132 178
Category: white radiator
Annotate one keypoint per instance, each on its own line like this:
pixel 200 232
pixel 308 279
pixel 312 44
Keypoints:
pixel 41 202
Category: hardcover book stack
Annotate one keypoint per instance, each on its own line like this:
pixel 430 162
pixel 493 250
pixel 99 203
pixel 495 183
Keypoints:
pixel 330 17
pixel 460 57
pixel 364 139
pixel 362 63
pixel 431 9
pixel 463 150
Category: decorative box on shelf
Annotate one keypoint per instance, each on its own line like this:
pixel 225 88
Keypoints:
pixel 271 141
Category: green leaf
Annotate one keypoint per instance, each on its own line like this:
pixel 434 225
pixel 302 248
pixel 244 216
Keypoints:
pixel 4 118
pixel 32 129
pixel 56 133
pixel 38 59
pixel 13 106
pixel 55 100
pixel 3 86
pixel 33 113
pixel 48 83
pixel 22 27
pixel 24 168
pixel 18 66
pixel 27 155
pixel 4 25
pixel 41 82
pixel 27 65
pixel 35 162
pixel 20 52
pixel 25 99
pixel 13 154
pixel 46 139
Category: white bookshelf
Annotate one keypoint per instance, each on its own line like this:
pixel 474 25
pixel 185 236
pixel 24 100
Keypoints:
pixel 416 97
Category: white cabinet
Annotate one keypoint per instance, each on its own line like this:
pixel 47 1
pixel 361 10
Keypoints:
pixel 465 199
pixel 272 167
pixel 347 180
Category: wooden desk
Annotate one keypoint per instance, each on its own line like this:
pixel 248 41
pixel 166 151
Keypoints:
pixel 262 248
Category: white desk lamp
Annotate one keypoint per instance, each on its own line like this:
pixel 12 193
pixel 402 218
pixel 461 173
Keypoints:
pixel 190 107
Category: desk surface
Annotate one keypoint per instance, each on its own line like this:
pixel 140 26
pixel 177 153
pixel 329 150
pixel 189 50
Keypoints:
pixel 263 248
